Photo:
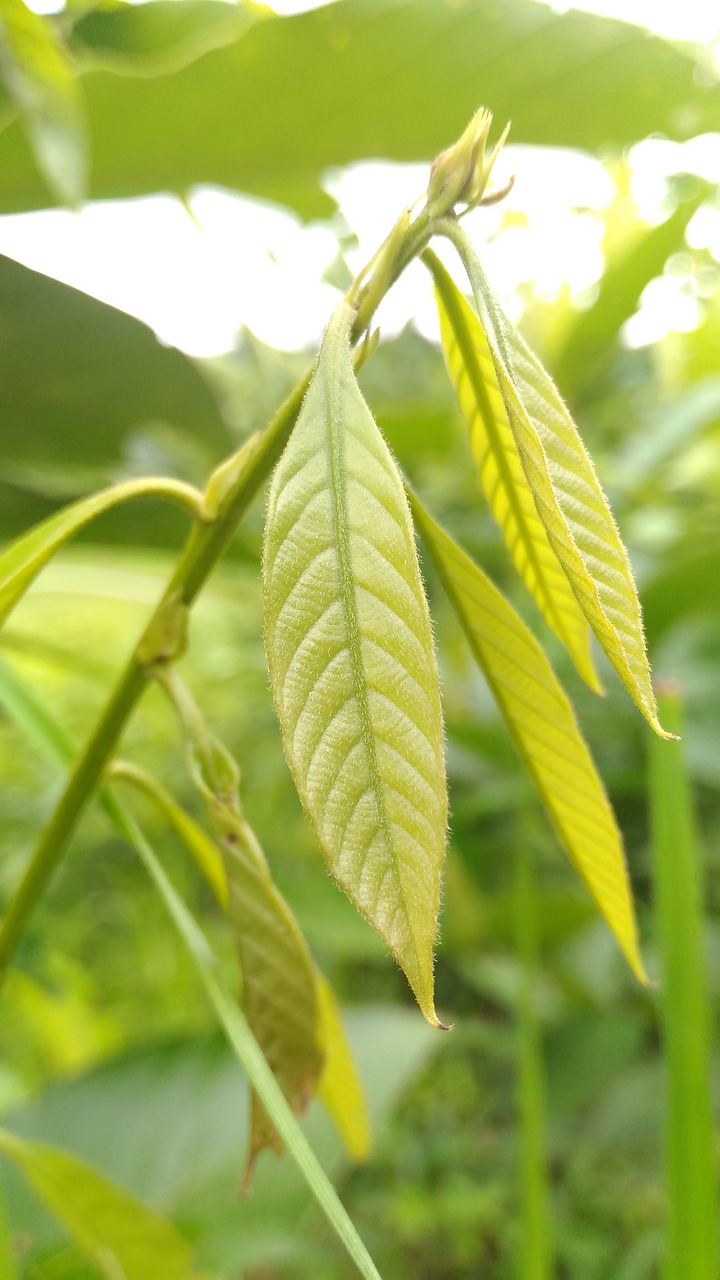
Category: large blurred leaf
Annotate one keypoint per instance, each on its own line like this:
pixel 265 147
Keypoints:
pixel 591 339
pixel 269 111
pixel 79 384
pixel 40 80
pixel 124 1238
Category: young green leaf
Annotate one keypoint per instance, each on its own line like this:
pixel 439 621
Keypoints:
pixel 121 1235
pixel 501 473
pixel 543 727
pixel 352 663
pixel 567 492
pixel 39 77
pixel 21 562
pixel 279 981
pixel 340 1087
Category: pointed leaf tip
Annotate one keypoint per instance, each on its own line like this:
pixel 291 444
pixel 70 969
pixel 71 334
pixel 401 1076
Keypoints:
pixel 352 663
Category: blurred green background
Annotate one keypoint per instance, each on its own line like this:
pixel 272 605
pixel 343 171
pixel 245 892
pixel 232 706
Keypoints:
pixel 106 1044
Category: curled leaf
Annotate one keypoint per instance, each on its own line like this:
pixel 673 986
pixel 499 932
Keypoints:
pixel 543 728
pixel 21 562
pixel 501 473
pixel 567 493
pixel 352 663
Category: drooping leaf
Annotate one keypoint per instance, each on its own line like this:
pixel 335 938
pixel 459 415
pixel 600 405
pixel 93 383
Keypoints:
pixel 22 561
pixel 571 79
pixel 567 493
pixel 340 1086
pixel 543 728
pixel 501 471
pixel 279 984
pixel 36 72
pixel 352 663
pixel 123 1237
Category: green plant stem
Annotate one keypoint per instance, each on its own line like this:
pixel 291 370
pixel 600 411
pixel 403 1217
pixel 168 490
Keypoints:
pixel 535 1250
pixel 690 1159
pixel 204 547
pixel 232 494
pixel 38 724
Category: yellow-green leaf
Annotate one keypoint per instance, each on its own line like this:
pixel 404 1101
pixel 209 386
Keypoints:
pixel 543 727
pixel 21 562
pixel 39 77
pixel 340 1087
pixel 279 981
pixel 501 473
pixel 568 495
pixel 122 1236
pixel 352 663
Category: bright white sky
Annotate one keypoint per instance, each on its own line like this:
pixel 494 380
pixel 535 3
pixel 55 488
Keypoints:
pixel 237 262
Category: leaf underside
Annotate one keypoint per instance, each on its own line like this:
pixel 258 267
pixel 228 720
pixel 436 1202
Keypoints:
pixel 352 663
pixel 568 496
pixel 501 473
pixel 541 722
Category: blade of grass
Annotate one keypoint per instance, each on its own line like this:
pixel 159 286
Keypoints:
pixel 535 1248
pixel 37 722
pixel 690 1167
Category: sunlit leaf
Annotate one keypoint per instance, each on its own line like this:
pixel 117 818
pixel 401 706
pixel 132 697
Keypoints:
pixel 37 74
pixel 501 471
pixel 22 561
pixel 568 496
pixel 123 1237
pixel 543 727
pixel 352 663
pixel 340 1086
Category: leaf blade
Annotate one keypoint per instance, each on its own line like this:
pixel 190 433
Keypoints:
pixel 567 493
pixel 21 562
pixel 352 663
pixel 501 473
pixel 340 1086
pixel 118 1232
pixel 543 727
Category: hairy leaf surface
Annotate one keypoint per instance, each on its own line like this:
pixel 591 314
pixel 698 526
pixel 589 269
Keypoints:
pixel 568 496
pixel 22 561
pixel 543 727
pixel 352 663
pixel 122 1236
pixel 501 473
pixel 279 981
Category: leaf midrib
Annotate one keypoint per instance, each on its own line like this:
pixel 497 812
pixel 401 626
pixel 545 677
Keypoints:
pixel 334 389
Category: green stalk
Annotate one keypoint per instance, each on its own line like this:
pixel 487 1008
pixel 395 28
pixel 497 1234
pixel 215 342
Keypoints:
pixel 39 725
pixel 535 1247
pixel 690 1166
pixel 204 547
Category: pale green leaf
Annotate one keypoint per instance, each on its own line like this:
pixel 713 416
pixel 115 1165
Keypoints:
pixel 543 727
pixel 352 663
pixel 21 562
pixel 340 1086
pixel 123 1237
pixel 567 493
pixel 39 78
pixel 279 983
pixel 501 471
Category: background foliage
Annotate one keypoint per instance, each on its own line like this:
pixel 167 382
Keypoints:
pixel 107 1047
